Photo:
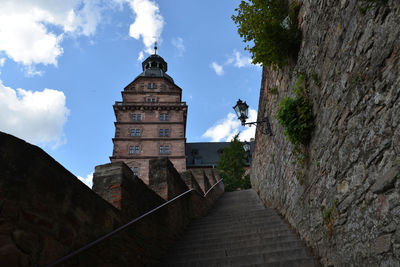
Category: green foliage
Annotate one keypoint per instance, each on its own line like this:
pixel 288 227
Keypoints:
pixel 357 78
pixel 272 26
pixel 230 165
pixel 328 214
pixel 296 117
pixel 273 90
pixel 316 80
pixel 318 164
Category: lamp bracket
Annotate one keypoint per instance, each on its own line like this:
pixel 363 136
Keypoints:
pixel 265 121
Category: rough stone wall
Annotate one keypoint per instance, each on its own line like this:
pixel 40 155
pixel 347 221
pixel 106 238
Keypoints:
pixel 201 178
pixel 351 65
pixel 47 213
pixel 164 179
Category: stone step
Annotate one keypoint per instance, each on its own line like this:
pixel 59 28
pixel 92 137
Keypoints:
pixel 244 215
pixel 239 231
pixel 302 262
pixel 233 212
pixel 256 258
pixel 234 222
pixel 233 245
pixel 206 252
pixel 235 238
pixel 221 232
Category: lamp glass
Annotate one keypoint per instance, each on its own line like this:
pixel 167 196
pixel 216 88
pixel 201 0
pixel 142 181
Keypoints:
pixel 241 110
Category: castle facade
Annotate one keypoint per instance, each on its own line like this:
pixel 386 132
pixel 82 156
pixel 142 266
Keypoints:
pixel 150 120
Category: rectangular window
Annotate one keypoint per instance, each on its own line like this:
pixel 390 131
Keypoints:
pixel 133 117
pixel 137 132
pixel 132 132
pixel 135 171
pixel 166 117
pixel 149 85
pixel 130 150
pixel 166 132
pixel 161 132
pixel 154 85
pixel 148 100
pixel 139 117
pixel 137 149
pixel 153 100
pixel 161 117
pixel 166 149
pixel 161 150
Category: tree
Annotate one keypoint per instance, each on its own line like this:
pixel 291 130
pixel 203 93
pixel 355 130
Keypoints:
pixel 230 165
pixel 272 26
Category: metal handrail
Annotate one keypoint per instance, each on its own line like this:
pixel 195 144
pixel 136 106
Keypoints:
pixel 126 225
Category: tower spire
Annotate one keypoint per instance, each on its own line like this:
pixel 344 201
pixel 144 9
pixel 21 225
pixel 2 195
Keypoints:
pixel 155 48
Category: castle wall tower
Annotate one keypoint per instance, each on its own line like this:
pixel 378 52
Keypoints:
pixel 150 120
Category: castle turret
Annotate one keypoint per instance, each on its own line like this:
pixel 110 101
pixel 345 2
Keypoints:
pixel 150 120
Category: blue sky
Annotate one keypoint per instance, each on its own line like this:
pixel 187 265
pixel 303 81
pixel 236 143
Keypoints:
pixel 64 63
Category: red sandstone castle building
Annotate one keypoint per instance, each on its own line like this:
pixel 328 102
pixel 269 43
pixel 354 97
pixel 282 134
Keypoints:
pixel 150 120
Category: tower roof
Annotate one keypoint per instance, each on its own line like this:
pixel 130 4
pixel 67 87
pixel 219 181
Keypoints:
pixel 155 66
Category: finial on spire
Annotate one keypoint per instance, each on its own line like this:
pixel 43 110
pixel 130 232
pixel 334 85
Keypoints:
pixel 155 48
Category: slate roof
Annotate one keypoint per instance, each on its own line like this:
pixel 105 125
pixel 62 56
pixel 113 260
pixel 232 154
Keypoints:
pixel 207 154
pixel 155 66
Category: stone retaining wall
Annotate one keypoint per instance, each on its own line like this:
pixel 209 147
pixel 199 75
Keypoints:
pixel 344 200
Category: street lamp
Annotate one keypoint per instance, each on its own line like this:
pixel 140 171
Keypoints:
pixel 242 110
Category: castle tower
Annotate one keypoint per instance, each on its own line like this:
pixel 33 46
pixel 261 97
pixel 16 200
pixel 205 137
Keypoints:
pixel 151 120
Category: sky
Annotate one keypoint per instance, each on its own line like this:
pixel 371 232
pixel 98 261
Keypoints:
pixel 63 64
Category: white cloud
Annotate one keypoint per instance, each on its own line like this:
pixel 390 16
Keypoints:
pixel 37 117
pixel 178 43
pixel 148 23
pixel 25 33
pixel 141 56
pixel 2 61
pixel 229 127
pixel 224 129
pixel 219 70
pixel 237 59
pixel 88 180
pixel 240 61
pixel 249 132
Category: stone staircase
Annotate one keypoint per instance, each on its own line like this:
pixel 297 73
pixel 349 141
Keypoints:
pixel 239 231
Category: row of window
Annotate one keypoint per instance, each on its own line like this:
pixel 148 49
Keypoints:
pixel 135 132
pixel 138 117
pixel 164 150
pixel 163 132
pixel 151 86
pixel 136 150
pixel 164 117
